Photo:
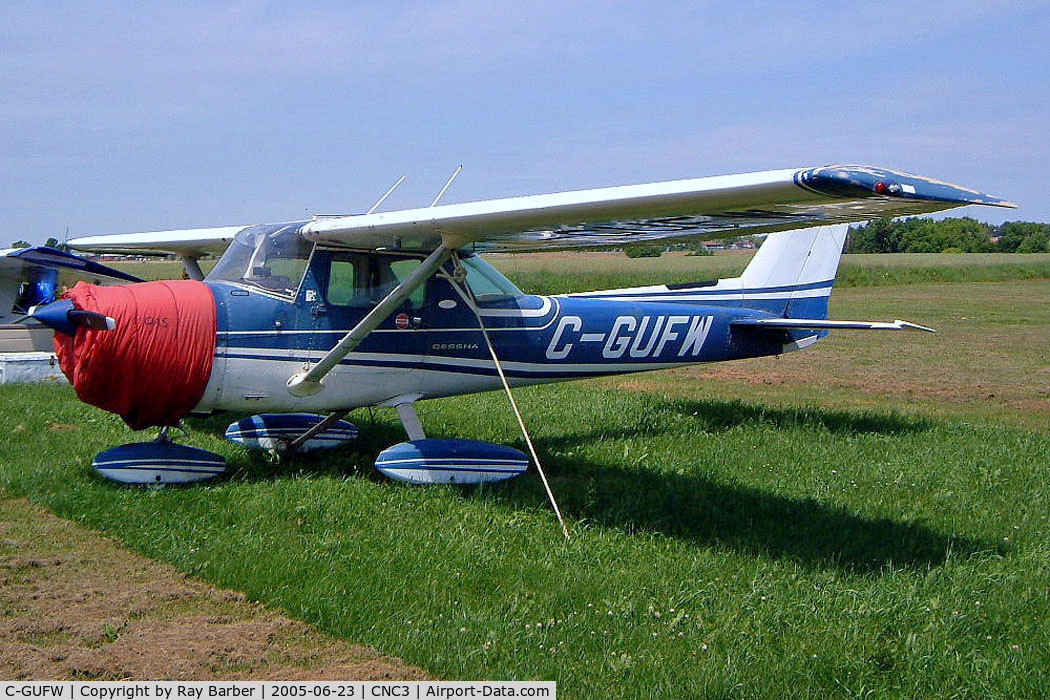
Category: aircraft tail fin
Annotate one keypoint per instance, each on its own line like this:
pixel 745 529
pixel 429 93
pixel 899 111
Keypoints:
pixel 791 277
pixel 792 273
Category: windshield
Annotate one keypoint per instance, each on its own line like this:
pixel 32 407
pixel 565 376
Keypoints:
pixel 272 257
pixel 486 282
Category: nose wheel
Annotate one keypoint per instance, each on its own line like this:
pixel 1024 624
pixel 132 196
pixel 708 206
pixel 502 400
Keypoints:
pixel 158 463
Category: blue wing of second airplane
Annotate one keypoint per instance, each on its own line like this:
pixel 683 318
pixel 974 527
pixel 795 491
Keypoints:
pixel 43 256
pixel 36 275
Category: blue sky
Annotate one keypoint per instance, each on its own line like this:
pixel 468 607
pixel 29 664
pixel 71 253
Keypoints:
pixel 136 116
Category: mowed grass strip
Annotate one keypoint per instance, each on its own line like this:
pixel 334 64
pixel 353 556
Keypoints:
pixel 988 361
pixel 556 273
pixel 720 548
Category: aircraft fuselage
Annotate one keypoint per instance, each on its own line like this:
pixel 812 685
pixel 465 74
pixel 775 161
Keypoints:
pixel 433 345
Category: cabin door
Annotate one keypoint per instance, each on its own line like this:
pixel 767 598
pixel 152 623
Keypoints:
pixel 346 286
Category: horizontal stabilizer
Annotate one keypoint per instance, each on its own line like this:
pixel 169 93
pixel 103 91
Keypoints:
pixel 824 324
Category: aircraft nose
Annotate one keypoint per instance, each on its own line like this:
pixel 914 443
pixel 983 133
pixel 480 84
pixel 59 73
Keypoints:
pixel 143 351
pixel 63 317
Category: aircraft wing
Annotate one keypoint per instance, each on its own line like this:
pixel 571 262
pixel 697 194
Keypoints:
pixel 20 260
pixel 699 208
pixel 30 276
pixel 193 242
pixel 709 207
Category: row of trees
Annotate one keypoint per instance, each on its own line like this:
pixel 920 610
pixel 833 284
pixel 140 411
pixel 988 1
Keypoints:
pixel 962 235
pixel 50 242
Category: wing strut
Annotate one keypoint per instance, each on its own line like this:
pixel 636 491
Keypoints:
pixel 307 382
pixel 192 266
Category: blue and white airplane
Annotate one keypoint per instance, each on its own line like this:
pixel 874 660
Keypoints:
pixel 300 322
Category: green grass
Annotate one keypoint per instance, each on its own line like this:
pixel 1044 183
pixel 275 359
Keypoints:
pixel 720 548
pixel 927 268
pixel 160 269
pixel 988 362
pixel 867 517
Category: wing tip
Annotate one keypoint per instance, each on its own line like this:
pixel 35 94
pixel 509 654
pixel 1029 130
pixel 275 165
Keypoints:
pixel 869 181
pixel 1005 203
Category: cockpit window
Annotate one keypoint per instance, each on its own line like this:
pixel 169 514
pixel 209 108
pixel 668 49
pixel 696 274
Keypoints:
pixel 362 279
pixel 486 282
pixel 273 257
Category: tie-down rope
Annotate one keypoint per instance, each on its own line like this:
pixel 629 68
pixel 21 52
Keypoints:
pixel 506 387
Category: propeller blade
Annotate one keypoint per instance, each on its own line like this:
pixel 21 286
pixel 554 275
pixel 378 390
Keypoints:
pixel 63 317
pixel 93 320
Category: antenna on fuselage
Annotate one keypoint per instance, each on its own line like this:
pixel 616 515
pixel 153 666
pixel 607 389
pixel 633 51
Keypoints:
pixel 387 194
pixel 448 183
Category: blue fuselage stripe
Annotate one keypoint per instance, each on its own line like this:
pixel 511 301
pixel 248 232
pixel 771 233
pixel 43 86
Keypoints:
pixel 440 367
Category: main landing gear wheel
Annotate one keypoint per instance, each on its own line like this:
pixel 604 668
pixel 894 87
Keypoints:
pixel 424 460
pixel 292 432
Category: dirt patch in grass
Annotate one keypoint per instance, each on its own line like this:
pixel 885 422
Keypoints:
pixel 74 605
pixel 989 361
pixel 881 382
pixel 807 379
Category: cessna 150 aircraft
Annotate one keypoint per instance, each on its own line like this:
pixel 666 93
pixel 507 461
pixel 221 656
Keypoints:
pixel 300 322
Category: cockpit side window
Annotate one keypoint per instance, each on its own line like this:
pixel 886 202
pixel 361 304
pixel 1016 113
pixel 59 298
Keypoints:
pixel 486 282
pixel 399 271
pixel 347 281
pixel 362 279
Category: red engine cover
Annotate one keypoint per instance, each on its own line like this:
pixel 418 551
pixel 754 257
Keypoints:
pixel 153 368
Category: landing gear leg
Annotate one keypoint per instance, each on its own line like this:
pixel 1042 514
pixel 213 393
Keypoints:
pixel 319 428
pixel 164 434
pixel 410 419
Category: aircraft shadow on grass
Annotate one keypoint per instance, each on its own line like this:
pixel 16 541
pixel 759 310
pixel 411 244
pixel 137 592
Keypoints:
pixel 690 506
pixel 723 415
pixel 723 514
